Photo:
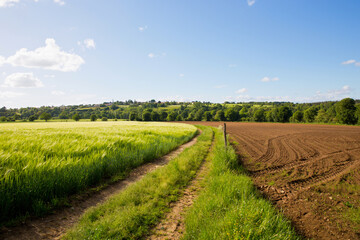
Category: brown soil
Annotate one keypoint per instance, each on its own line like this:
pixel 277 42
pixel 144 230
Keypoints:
pixel 173 226
pixel 311 172
pixel 55 225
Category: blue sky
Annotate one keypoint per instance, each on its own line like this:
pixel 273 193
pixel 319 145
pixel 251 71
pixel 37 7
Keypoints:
pixel 61 52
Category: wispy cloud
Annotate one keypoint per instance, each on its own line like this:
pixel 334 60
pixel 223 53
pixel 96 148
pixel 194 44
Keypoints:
pixel 241 90
pixel 60 2
pixel 57 93
pixel 8 94
pixel 153 55
pixel 351 61
pixel 267 79
pixel 8 3
pixel 142 28
pixel 181 75
pixel 251 2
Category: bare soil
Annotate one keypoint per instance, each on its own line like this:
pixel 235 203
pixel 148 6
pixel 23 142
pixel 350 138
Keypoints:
pixel 55 225
pixel 311 172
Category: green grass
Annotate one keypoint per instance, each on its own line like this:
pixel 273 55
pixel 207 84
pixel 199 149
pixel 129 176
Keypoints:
pixel 41 163
pixel 230 207
pixel 132 213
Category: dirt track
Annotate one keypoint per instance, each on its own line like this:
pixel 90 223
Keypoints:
pixel 311 172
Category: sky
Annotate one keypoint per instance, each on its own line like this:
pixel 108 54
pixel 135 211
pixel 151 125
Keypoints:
pixel 67 52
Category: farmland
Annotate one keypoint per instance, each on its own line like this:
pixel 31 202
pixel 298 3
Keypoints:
pixel 312 172
pixel 42 163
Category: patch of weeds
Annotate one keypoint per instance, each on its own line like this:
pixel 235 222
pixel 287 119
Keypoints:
pixel 272 183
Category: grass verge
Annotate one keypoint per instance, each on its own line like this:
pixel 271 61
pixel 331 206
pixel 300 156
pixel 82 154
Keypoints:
pixel 230 207
pixel 132 213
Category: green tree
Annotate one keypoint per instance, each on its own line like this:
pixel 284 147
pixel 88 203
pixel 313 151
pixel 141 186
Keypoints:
pixel 172 116
pixel 220 116
pixel 199 115
pixel 155 116
pixel 298 116
pixel 310 114
pixel 3 119
pixel 146 116
pixel 345 111
pixel 231 114
pixel 32 118
pixel 63 115
pixel 322 117
pixel 284 113
pixel 243 114
pixel 76 117
pixel 93 117
pixel 45 116
pixel 132 116
pixel 207 116
pixel 163 116
pixel 104 119
pixel 259 115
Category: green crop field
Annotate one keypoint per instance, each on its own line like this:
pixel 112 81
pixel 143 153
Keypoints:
pixel 41 163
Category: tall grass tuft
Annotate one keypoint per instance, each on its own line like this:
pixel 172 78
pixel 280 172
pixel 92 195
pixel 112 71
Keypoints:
pixel 43 162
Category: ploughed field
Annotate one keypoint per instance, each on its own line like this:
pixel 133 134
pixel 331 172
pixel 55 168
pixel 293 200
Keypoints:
pixel 41 164
pixel 311 172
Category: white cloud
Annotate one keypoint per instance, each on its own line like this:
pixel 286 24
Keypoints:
pixel 334 94
pixel 58 93
pixel 181 75
pixel 8 94
pixel 250 2
pixel 141 29
pixel 60 2
pixel 220 86
pixel 49 76
pixel 49 57
pixel 242 90
pixel 89 43
pixel 2 60
pixel 22 80
pixel 349 62
pixel 153 55
pixel 267 79
pixel 8 3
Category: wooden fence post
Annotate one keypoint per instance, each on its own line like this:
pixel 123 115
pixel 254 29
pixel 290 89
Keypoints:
pixel 225 135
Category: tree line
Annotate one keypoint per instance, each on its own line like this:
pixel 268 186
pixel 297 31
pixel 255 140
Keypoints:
pixel 346 111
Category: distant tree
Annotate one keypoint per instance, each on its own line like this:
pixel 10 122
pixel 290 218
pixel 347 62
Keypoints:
pixel 199 115
pixel 132 116
pixel 163 116
pixel 243 114
pixel 104 119
pixel 155 116
pixel 179 118
pixel 298 116
pixel 76 117
pixel 32 118
pixel 207 116
pixel 93 117
pixel 345 111
pixel 321 116
pixel 220 116
pixel 45 116
pixel 146 116
pixel 63 115
pixel 259 115
pixel 231 114
pixel 284 114
pixel 310 114
pixel 114 107
pixel 16 116
pixel 172 116
pixel 3 119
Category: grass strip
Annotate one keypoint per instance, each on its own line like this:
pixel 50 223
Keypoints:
pixel 230 207
pixel 132 213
